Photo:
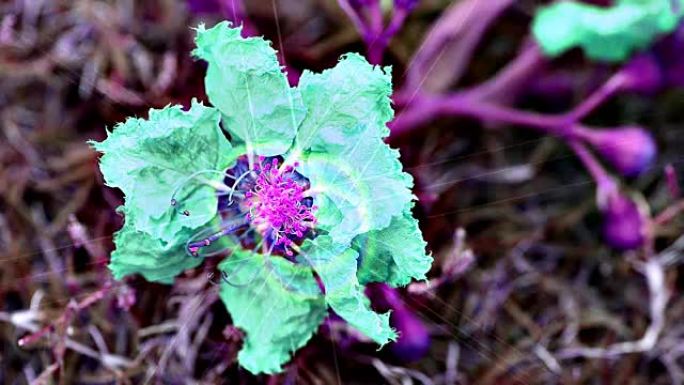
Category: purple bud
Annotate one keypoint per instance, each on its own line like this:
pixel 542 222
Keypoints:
pixel 631 150
pixel 624 224
pixel 642 74
pixel 407 5
pixel 414 339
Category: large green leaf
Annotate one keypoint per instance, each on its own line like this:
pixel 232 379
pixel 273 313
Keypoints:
pixel 345 104
pixel 150 159
pixel 245 82
pixel 356 180
pixel 335 264
pixel 394 255
pixel 358 189
pixel 277 303
pixel 606 34
pixel 139 253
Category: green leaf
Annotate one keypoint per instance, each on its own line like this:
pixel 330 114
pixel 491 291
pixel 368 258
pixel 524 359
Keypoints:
pixel 346 103
pixel 151 159
pixel 357 190
pixel 606 34
pixel 275 302
pixel 394 255
pixel 139 253
pixel 335 264
pixel 245 82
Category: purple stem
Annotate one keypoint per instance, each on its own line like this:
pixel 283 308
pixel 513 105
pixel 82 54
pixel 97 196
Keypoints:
pixel 508 82
pixel 464 22
pixel 370 25
pixel 227 229
pixel 377 47
pixel 503 86
pixel 603 180
pixel 562 126
pixel 672 181
pixel 375 17
pixel 468 103
pixel 355 18
pixel 427 108
pixel 598 97
pixel 398 18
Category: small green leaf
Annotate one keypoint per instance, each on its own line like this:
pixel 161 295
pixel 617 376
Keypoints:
pixel 394 255
pixel 275 302
pixel 139 253
pixel 345 104
pixel 606 34
pixel 335 264
pixel 245 82
pixel 357 190
pixel 151 159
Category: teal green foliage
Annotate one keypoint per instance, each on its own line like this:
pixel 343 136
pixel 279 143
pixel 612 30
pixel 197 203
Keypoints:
pixel 275 302
pixel 245 82
pixel 394 255
pixel 345 104
pixel 336 264
pixel 150 159
pixel 363 187
pixel 609 34
pixel 138 252
pixel 334 124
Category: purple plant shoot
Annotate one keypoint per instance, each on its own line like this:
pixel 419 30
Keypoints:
pixel 624 223
pixel 414 337
pixel 643 75
pixel 630 149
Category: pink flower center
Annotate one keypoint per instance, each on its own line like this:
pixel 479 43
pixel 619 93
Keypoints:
pixel 277 205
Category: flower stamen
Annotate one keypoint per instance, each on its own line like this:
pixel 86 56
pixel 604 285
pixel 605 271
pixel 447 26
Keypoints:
pixel 277 204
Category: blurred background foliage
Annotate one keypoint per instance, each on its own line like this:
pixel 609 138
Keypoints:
pixel 509 214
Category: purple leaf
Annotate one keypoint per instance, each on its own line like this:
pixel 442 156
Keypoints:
pixel 414 338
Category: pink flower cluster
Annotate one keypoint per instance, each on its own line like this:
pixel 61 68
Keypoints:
pixel 277 205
